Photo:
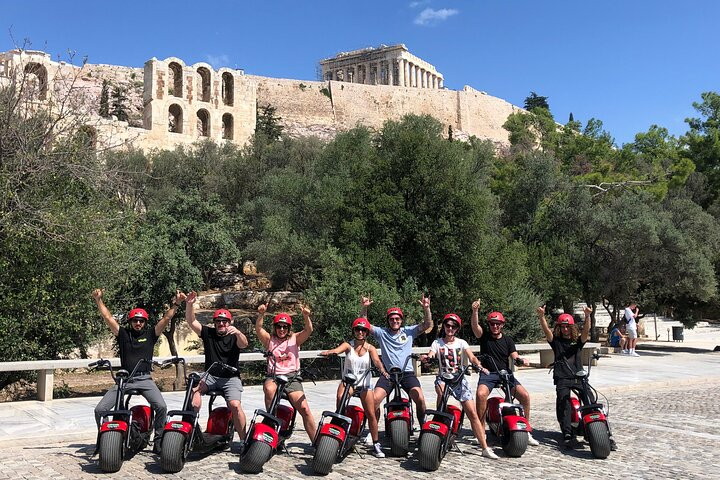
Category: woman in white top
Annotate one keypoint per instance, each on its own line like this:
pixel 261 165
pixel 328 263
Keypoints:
pixel 451 353
pixel 359 353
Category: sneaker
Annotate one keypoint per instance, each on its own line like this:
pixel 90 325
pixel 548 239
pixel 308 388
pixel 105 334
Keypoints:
pixel 613 445
pixel 634 354
pixel 369 440
pixel 571 442
pixel 377 450
pixel 626 352
pixel 532 441
pixel 488 453
pixel 157 445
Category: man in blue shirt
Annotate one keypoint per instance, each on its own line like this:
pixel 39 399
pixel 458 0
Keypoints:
pixel 396 344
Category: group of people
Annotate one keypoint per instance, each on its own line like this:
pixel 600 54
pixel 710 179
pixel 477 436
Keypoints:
pixel 624 334
pixel 223 343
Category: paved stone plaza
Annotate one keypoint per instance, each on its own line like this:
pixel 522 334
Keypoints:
pixel 664 429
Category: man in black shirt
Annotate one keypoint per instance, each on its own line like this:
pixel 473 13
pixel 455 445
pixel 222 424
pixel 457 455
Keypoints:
pixel 137 342
pixel 221 344
pixel 567 344
pixel 501 348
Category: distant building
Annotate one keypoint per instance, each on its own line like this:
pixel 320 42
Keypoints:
pixel 383 65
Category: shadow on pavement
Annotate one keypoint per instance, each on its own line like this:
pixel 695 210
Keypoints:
pixel 669 349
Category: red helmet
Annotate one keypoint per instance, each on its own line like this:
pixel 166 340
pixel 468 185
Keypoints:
pixel 394 311
pixel 361 323
pixel 496 317
pixel 566 319
pixel 282 318
pixel 453 317
pixel 138 312
pixel 222 313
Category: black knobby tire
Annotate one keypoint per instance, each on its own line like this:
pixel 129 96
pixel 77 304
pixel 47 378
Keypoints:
pixel 599 439
pixel 111 451
pixel 429 451
pixel 399 438
pixel 515 443
pixel 172 453
pixel 256 455
pixel 326 452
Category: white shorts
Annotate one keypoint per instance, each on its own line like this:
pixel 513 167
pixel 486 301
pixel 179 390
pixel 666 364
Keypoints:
pixel 631 333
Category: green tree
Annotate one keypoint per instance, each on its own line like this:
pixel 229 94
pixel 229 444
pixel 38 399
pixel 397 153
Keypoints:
pixel 118 106
pixel 703 142
pixel 534 101
pixel 105 99
pixel 267 122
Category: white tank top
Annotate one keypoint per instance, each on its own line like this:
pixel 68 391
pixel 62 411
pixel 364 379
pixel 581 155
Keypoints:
pixel 358 365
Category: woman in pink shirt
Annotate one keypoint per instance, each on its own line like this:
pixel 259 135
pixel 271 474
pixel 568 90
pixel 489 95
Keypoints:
pixel 284 344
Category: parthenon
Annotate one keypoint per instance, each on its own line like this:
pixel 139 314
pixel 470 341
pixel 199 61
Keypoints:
pixel 383 65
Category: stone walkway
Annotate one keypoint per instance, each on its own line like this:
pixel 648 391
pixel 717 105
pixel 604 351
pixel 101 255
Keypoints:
pixel 663 409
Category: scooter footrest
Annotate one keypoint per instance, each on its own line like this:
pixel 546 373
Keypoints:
pixel 183 413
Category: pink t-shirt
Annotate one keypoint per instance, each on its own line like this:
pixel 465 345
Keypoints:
pixel 287 354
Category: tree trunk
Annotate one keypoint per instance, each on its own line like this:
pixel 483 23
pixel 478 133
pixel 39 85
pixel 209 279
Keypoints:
pixel 169 334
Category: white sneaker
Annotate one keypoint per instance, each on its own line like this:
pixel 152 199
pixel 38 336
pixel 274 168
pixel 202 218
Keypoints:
pixel 634 354
pixel 626 352
pixel 377 451
pixel 368 440
pixel 532 441
pixel 488 453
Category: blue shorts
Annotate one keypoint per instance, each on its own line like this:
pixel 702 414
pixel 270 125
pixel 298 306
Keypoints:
pixel 492 380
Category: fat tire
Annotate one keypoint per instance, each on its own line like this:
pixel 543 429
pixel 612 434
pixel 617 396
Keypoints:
pixel 256 455
pixel 429 451
pixel 599 439
pixel 399 438
pixel 326 451
pixel 111 451
pixel 172 453
pixel 514 443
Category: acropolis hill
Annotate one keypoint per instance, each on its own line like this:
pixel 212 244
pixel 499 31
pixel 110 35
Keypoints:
pixel 171 103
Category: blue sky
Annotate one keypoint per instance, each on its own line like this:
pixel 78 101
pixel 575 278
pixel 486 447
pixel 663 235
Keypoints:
pixel 629 63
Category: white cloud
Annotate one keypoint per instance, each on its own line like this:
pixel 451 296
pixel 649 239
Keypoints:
pixel 218 61
pixel 419 3
pixel 430 16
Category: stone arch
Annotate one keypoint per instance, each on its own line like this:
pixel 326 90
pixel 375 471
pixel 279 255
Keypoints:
pixel 36 80
pixel 175 79
pixel 203 123
pixel 175 118
pixel 228 88
pixel 227 126
pixel 204 83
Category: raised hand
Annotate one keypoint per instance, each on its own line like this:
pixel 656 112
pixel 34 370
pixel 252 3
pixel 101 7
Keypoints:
pixel 476 305
pixel 191 298
pixel 262 308
pixel 366 301
pixel 540 311
pixel 425 301
pixel 97 294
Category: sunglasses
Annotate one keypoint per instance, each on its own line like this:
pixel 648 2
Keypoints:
pixel 221 320
pixel 364 330
pixel 495 324
pixel 452 326
pixel 137 320
pixel 282 327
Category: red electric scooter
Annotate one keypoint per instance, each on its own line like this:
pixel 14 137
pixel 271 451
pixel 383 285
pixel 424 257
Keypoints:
pixel 506 418
pixel 399 413
pixel 270 429
pixel 124 430
pixel 438 434
pixel 183 435
pixel 339 431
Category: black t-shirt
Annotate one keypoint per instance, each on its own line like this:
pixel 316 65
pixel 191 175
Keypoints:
pixel 134 346
pixel 568 357
pixel 498 348
pixel 219 349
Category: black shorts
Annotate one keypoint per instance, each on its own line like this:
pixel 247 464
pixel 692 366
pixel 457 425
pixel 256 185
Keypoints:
pixel 408 381
pixel 492 380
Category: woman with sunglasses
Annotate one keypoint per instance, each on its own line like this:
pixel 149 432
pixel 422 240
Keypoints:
pixel 284 344
pixel 359 354
pixel 452 352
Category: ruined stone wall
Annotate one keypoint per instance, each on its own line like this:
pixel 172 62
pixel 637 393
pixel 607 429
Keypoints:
pixel 326 108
